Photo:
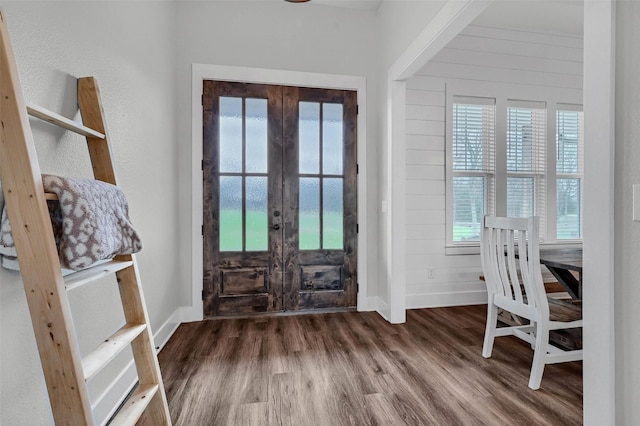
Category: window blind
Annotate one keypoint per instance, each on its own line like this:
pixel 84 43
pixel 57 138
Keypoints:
pixel 569 170
pixel 526 159
pixel 473 164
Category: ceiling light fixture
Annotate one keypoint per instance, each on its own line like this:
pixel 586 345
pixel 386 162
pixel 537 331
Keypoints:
pixel 297 1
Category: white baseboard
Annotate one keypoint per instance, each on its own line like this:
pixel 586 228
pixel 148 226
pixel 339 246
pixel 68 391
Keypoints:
pixel 441 300
pixel 190 313
pixel 367 304
pixel 108 402
pixel 382 308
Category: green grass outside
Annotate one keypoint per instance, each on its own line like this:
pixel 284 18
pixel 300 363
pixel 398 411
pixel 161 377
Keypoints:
pixel 257 236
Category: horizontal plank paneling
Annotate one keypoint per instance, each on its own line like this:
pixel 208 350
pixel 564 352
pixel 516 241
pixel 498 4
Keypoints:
pixel 425 246
pixel 416 171
pixel 425 217
pixel 443 277
pixel 481 60
pixel 423 97
pixel 425 232
pixel 429 187
pixel 524 36
pixel 460 284
pixel 443 261
pixel 424 112
pixel 433 143
pixel 425 202
pixel 425 127
pixel 500 60
pixel 517 48
pixel 484 73
pixel 425 157
pixel 420 82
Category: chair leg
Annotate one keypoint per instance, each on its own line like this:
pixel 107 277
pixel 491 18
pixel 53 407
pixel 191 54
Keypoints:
pixel 489 333
pixel 539 356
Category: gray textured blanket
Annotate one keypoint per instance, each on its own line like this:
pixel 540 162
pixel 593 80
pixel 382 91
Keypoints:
pixel 90 221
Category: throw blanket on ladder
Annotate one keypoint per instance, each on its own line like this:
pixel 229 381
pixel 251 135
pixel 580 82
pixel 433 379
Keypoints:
pixel 90 222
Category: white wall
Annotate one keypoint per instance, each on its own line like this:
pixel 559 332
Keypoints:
pixel 279 36
pixel 130 48
pixel 480 61
pixel 141 53
pixel 627 232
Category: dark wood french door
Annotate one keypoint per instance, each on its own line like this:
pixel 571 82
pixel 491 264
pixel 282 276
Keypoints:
pixel 280 218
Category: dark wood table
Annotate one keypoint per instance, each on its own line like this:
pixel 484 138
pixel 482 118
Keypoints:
pixel 561 263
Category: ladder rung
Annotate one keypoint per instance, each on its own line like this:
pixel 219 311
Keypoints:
pixel 76 279
pixel 61 121
pixel 50 196
pixel 104 353
pixel 135 405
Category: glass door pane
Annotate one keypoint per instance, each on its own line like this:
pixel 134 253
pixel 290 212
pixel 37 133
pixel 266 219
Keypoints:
pixel 320 154
pixel 243 174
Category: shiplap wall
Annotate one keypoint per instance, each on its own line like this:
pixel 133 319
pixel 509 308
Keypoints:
pixel 481 61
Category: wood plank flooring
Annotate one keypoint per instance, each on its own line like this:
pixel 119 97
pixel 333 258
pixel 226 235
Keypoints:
pixel 354 368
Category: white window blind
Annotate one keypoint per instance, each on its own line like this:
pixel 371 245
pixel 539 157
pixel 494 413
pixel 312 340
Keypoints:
pixel 526 159
pixel 473 164
pixel 498 163
pixel 569 169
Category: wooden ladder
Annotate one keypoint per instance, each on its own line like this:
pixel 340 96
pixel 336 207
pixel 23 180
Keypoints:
pixel 66 373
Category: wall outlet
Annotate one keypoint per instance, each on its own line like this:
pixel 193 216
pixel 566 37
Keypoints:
pixel 431 274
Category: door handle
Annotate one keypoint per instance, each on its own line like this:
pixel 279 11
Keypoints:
pixel 275 227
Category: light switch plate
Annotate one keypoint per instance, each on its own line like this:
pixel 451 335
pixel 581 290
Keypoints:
pixel 636 202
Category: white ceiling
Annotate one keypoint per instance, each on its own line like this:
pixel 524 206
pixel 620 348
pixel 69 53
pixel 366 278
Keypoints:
pixel 352 4
pixel 550 16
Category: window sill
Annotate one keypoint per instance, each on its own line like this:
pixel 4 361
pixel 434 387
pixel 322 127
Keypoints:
pixel 471 249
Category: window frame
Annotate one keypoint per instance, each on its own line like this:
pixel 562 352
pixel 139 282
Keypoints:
pixel 549 202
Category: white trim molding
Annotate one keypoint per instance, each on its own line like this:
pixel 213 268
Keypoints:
pixel 200 72
pixel 452 18
pixel 599 267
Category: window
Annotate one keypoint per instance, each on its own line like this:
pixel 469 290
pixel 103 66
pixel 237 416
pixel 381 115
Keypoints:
pixel 473 165
pixel 514 172
pixel 569 143
pixel 526 141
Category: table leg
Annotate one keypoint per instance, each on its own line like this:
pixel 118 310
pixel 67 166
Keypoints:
pixel 568 281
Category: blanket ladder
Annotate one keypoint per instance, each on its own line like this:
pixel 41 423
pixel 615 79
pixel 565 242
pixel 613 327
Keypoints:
pixel 65 372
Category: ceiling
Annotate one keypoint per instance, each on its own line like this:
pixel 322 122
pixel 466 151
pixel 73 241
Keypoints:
pixel 352 4
pixel 549 16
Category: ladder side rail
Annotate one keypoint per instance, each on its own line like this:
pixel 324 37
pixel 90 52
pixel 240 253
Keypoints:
pixel 131 292
pixel 92 114
pixel 37 253
pixel 143 346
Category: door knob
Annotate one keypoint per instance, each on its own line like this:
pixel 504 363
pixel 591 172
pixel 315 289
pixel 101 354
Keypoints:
pixel 275 227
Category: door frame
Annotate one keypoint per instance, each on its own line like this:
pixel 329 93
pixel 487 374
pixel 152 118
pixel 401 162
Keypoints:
pixel 201 72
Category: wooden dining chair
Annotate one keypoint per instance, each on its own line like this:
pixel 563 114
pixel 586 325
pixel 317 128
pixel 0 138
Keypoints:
pixel 510 255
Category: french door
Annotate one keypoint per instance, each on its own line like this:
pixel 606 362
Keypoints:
pixel 279 226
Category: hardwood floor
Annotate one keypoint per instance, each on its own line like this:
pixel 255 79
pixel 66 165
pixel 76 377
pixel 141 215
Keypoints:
pixel 357 369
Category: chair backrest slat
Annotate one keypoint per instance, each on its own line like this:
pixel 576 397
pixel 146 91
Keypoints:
pixel 511 256
pixel 511 260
